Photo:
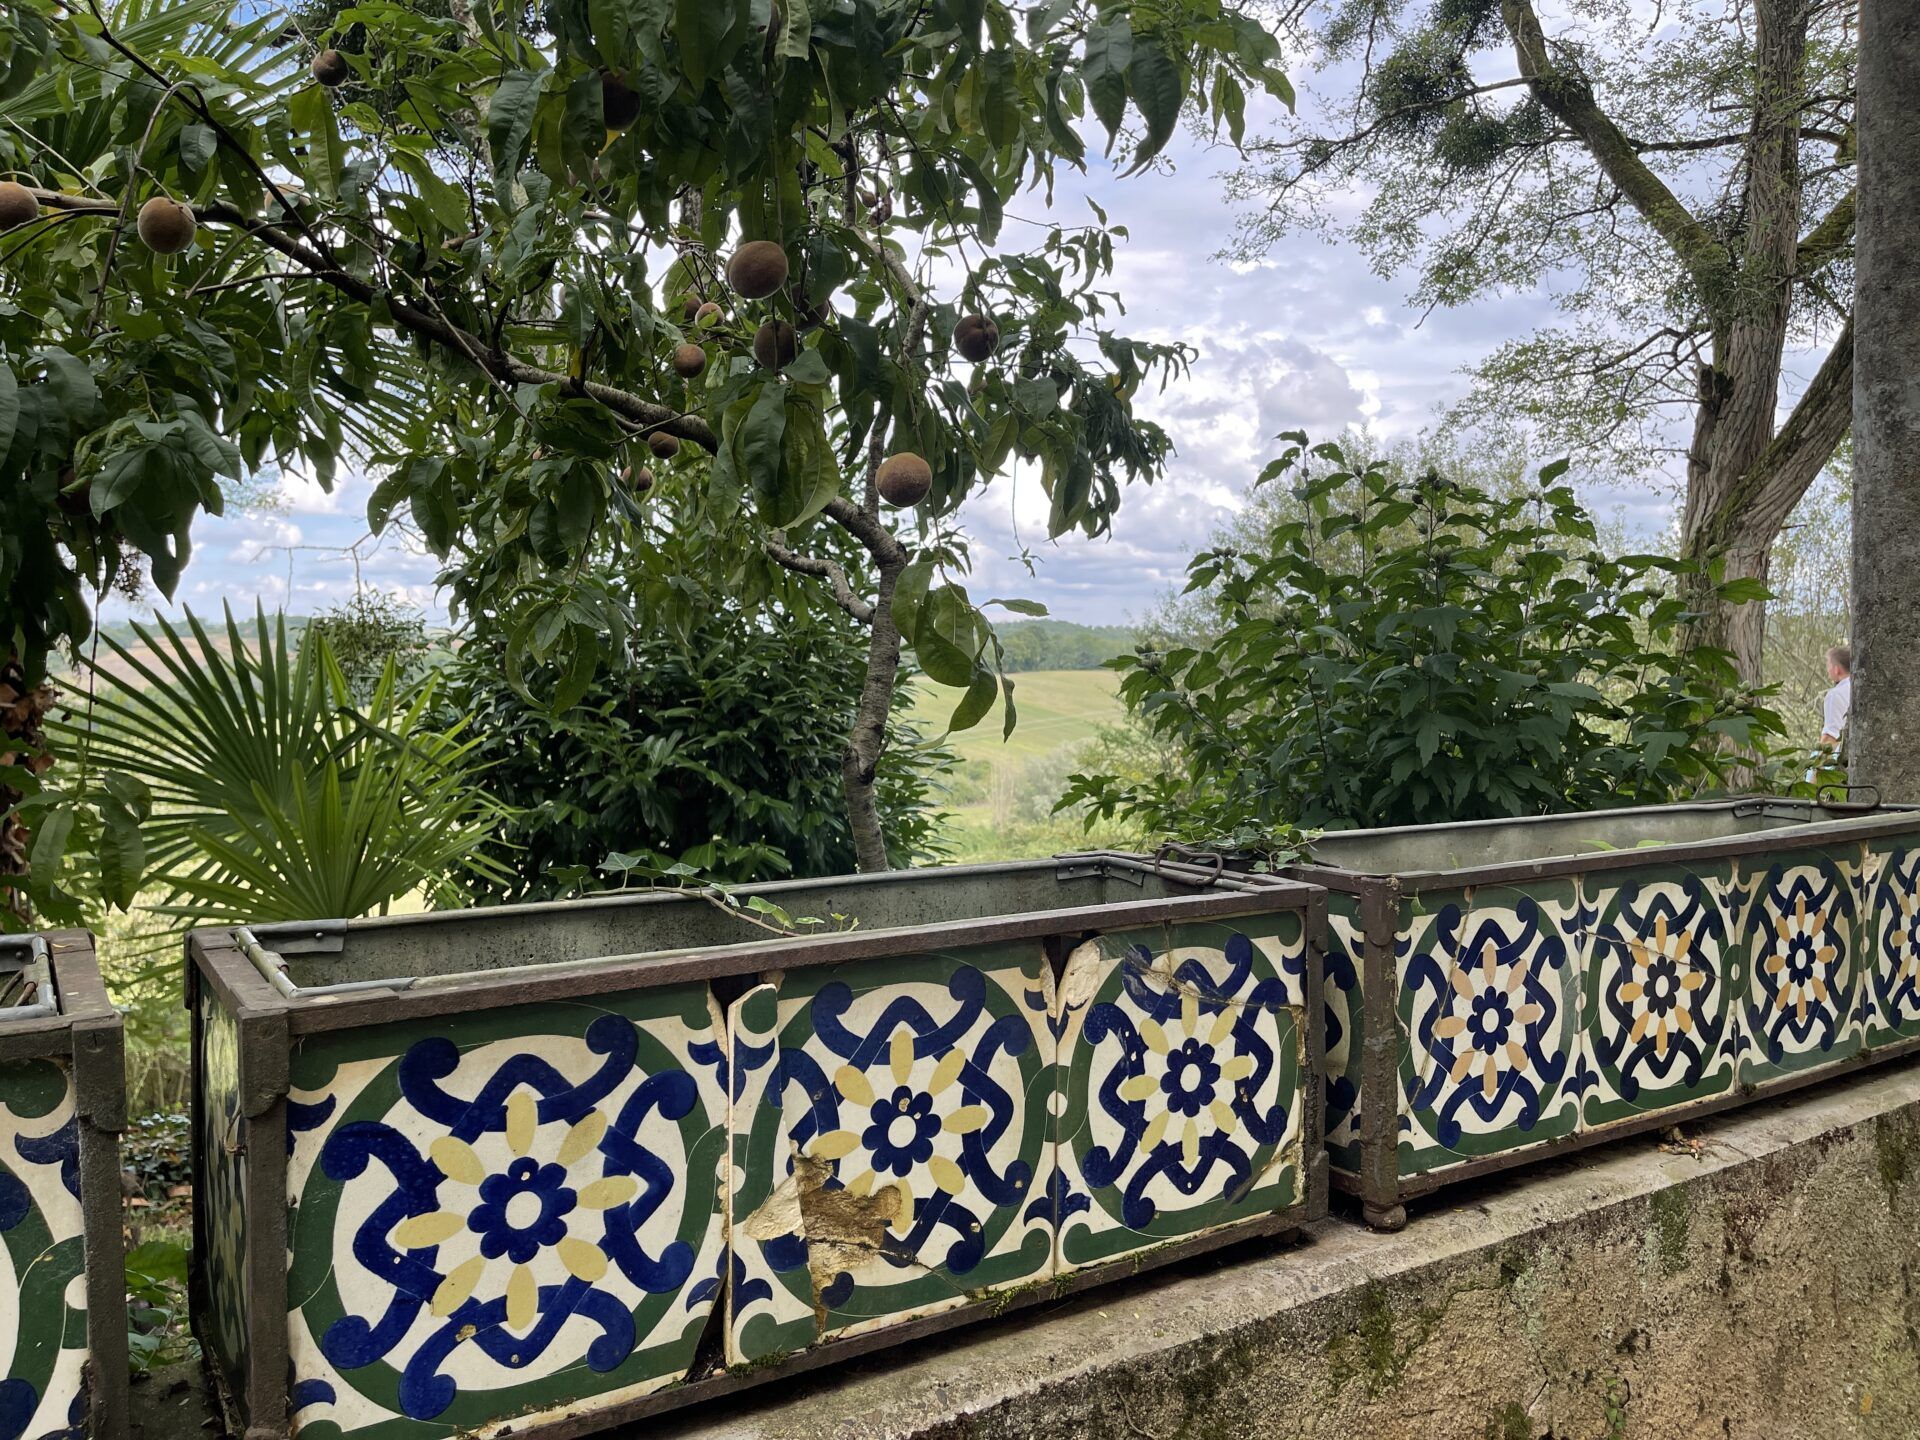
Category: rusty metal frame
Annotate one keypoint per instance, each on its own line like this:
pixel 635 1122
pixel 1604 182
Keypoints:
pixel 1381 1189
pixel 88 1035
pixel 269 1023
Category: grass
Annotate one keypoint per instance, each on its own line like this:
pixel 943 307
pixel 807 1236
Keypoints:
pixel 1057 710
pixel 1004 789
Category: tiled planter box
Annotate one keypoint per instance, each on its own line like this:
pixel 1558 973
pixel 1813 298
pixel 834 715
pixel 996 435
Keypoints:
pixel 1500 990
pixel 551 1168
pixel 63 1311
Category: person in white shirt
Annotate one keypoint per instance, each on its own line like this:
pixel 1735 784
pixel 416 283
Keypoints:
pixel 1839 698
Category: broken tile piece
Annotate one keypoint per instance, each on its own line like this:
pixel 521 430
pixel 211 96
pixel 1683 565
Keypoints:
pixel 890 1143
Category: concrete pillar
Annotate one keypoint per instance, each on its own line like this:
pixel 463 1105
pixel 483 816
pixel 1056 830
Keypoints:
pixel 1884 743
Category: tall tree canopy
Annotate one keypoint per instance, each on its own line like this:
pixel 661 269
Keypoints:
pixel 1684 181
pixel 565 276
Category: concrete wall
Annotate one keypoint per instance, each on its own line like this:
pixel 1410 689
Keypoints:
pixel 1755 1282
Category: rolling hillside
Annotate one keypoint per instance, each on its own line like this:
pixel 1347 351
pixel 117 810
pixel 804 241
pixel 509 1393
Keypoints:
pixel 1003 789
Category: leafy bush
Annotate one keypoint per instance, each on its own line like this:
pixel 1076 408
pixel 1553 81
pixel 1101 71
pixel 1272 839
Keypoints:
pixel 367 631
pixel 716 747
pixel 1403 651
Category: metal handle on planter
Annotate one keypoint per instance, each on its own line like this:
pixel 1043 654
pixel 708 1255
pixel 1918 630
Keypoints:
pixel 1847 791
pixel 1211 860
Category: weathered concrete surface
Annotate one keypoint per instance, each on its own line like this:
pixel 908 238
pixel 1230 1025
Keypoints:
pixel 1762 1289
pixel 1884 734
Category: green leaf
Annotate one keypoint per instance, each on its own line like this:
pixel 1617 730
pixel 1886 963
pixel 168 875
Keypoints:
pixel 909 595
pixel 976 703
pixel 197 145
pixel 510 112
pixel 123 857
pixel 1104 68
pixel 311 111
pixel 757 446
pixel 1158 89
pixel 797 33
pixel 50 836
pixel 704 29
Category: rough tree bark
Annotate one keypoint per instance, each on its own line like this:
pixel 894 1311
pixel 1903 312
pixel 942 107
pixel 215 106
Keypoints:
pixel 1743 476
pixel 868 738
pixel 1884 731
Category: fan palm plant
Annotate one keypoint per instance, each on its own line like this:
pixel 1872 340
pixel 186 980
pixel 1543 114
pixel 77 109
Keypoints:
pixel 273 796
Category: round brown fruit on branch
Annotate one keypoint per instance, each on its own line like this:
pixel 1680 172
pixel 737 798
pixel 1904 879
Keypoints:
pixel 775 344
pixel 330 68
pixel 707 314
pixel 689 361
pixel 17 205
pixel 166 226
pixel 757 269
pixel 619 105
pixel 812 316
pixel 639 481
pixel 976 337
pixel 904 479
pixel 689 307
pixel 663 445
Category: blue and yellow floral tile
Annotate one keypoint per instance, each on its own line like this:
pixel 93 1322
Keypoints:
pixel 1659 1024
pixel 43 1321
pixel 1891 941
pixel 504 1213
pixel 1183 1050
pixel 891 1146
pixel 1801 943
pixel 1488 1009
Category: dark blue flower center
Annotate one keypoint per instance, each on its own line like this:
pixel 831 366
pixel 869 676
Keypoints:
pixel 1661 989
pixel 1492 1014
pixel 1800 959
pixel 1191 1075
pixel 522 1211
pixel 900 1135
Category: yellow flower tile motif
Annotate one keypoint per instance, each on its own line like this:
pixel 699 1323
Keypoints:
pixel 1490 1019
pixel 1803 981
pixel 518 1214
pixel 1655 1021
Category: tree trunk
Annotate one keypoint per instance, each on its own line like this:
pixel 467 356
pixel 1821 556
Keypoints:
pixel 1742 480
pixel 868 738
pixel 1883 743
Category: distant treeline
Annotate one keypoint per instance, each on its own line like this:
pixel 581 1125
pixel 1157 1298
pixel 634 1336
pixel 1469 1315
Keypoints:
pixel 1061 644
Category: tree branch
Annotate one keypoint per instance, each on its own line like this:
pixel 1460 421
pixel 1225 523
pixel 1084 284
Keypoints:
pixel 500 366
pixel 827 570
pixel 1570 97
pixel 1759 502
pixel 1827 239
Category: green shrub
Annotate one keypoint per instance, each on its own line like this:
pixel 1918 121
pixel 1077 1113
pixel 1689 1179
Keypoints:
pixel 716 748
pixel 1402 651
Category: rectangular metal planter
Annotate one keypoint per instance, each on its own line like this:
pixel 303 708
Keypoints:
pixel 552 1168
pixel 1501 990
pixel 63 1304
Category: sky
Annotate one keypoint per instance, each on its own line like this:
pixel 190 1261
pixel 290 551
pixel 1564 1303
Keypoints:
pixel 1308 338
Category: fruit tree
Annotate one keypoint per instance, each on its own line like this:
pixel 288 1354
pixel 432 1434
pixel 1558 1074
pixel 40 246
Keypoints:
pixel 564 277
